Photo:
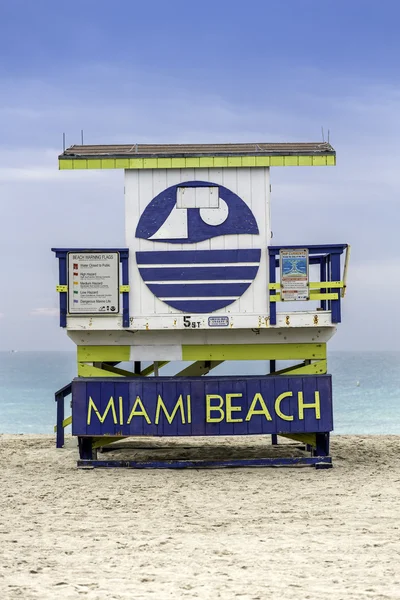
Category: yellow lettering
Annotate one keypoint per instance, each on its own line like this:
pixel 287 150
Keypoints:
pixel 189 408
pixel 102 418
pixel 138 413
pixel 121 411
pixel 278 406
pixel 170 417
pixel 210 409
pixel 302 405
pixel 262 411
pixel 230 409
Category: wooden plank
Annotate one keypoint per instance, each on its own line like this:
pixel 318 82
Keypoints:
pixel 206 464
pixel 305 438
pixel 253 351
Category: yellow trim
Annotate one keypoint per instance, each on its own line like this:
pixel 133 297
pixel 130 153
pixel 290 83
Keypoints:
pixel 277 161
pixel 164 163
pixel 93 163
pixel 323 285
pixel 82 164
pixel 107 163
pixel 136 163
pixel 150 163
pixel 313 285
pixel 291 161
pixel 68 164
pixel 313 296
pixel 178 163
pixel 103 353
pixel 305 161
pixel 263 161
pixel 65 423
pixel 306 438
pixel 124 288
pixel 61 288
pixel 318 367
pixel 220 161
pixel 99 442
pixel 319 161
pixel 248 161
pixel 191 163
pixel 206 161
pixel 122 163
pixel 254 352
pixel 85 370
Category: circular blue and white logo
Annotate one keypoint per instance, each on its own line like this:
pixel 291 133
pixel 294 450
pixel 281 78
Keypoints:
pixel 197 280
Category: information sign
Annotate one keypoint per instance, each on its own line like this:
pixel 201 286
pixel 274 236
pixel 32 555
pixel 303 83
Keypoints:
pixel 294 274
pixel 93 283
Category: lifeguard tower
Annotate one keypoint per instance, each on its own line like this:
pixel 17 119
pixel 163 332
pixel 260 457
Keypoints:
pixel 199 280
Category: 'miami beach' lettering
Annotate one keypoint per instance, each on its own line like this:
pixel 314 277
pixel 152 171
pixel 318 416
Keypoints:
pixel 218 408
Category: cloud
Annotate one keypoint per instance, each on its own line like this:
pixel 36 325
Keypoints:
pixel 45 312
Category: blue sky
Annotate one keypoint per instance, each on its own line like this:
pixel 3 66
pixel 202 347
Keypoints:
pixel 175 71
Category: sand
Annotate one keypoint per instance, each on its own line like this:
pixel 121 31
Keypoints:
pixel 230 533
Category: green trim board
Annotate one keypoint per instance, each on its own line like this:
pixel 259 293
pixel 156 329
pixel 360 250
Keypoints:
pixel 313 285
pixel 65 423
pixel 85 370
pixel 202 352
pixel 254 352
pixel 99 442
pixel 103 353
pixel 305 438
pixel 317 367
pixel 79 163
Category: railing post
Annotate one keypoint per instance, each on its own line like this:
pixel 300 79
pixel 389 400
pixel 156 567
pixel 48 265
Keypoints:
pixel 125 295
pixel 335 276
pixel 272 279
pixel 62 276
pixel 322 276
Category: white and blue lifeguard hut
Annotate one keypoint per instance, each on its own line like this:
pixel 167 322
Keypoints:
pixel 198 280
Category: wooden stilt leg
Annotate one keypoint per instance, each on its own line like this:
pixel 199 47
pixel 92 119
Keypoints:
pixel 322 445
pixel 60 419
pixel 86 448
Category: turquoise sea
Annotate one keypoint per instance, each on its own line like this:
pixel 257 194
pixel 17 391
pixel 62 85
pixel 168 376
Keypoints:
pixel 366 389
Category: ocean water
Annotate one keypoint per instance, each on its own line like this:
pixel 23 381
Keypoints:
pixel 366 389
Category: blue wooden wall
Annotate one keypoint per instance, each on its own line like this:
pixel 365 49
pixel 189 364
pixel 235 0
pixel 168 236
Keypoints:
pixel 167 406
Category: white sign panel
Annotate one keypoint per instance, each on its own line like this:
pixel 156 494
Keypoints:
pixel 93 283
pixel 294 274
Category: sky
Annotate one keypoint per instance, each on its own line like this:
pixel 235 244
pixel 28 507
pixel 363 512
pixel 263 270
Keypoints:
pixel 216 71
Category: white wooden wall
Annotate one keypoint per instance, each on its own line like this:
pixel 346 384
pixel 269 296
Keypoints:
pixel 251 185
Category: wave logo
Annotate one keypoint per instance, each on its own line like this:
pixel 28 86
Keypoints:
pixel 192 280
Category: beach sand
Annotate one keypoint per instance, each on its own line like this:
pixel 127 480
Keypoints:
pixel 287 533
